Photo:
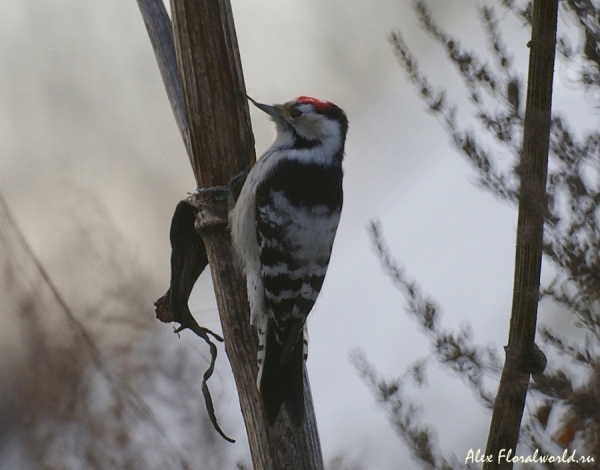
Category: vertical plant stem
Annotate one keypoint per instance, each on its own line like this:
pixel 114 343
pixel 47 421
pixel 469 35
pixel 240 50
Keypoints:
pixel 522 355
pixel 216 130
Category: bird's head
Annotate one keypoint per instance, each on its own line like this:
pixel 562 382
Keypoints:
pixel 308 122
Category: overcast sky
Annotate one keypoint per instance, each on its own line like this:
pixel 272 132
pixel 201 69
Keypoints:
pixel 83 115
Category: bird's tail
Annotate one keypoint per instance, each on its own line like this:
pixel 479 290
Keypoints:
pixel 282 381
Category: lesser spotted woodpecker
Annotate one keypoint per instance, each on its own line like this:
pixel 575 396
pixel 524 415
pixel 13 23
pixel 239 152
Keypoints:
pixel 282 227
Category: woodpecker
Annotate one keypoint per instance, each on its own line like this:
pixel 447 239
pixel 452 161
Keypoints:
pixel 282 228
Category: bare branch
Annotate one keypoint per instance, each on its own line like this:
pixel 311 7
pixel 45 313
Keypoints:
pixel 221 146
pixel 522 355
pixel 160 32
pixel 454 350
pixel 501 184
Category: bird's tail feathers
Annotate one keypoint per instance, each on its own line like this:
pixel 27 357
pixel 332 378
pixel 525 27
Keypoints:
pixel 282 382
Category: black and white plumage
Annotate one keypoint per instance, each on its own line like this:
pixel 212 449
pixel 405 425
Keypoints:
pixel 282 227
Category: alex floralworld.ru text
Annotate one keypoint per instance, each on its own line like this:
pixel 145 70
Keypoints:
pixel 506 456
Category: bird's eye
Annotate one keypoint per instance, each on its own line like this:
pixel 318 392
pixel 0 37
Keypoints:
pixel 295 113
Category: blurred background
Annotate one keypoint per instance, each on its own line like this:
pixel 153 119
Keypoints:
pixel 92 166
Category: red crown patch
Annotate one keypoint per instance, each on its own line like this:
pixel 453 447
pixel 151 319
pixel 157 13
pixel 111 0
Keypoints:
pixel 320 105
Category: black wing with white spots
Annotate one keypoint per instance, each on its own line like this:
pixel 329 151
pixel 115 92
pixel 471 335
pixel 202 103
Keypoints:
pixel 297 214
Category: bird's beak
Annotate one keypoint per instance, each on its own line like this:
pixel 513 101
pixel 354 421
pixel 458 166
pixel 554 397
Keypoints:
pixel 274 111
